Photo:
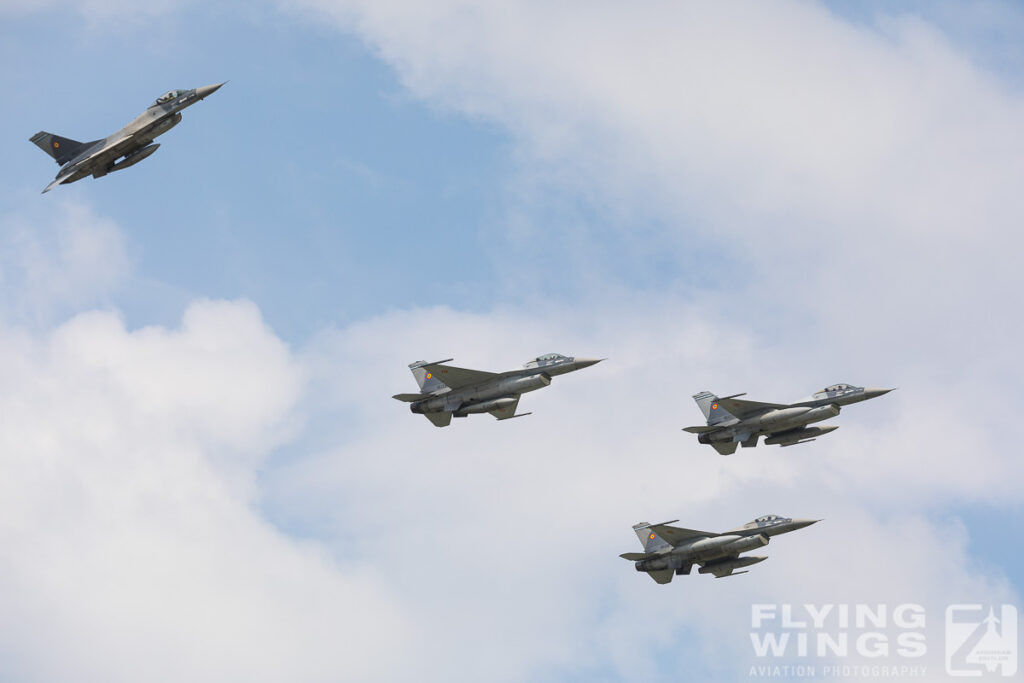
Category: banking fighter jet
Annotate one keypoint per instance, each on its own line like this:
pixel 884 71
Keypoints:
pixel 732 420
pixel 126 147
pixel 447 391
pixel 671 550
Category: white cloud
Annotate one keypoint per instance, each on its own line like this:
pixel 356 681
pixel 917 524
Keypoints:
pixel 59 260
pixel 866 176
pixel 130 545
pixel 133 463
pixel 504 536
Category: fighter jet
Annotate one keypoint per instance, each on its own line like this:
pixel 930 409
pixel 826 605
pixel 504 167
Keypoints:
pixel 671 550
pixel 99 157
pixel 733 421
pixel 447 391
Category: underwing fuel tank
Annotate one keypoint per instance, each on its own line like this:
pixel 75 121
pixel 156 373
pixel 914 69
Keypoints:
pixel 796 435
pixel 486 406
pixel 730 565
pixel 135 157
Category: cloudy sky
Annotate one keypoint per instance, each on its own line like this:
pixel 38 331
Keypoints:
pixel 202 473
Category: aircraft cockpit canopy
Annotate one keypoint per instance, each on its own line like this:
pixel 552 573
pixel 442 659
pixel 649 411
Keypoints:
pixel 767 519
pixel 170 95
pixel 546 359
pixel 836 388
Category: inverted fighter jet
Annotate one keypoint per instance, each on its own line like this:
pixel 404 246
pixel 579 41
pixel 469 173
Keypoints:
pixel 447 391
pixel 670 550
pixel 99 157
pixel 734 421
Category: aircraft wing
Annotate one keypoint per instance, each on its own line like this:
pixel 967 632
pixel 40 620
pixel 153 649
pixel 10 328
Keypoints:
pixel 676 535
pixel 113 149
pixel 741 408
pixel 55 183
pixel 101 157
pixel 456 378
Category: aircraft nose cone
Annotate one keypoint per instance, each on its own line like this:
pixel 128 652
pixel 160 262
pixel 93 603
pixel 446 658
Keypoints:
pixel 801 523
pixel 207 90
pixel 871 392
pixel 586 362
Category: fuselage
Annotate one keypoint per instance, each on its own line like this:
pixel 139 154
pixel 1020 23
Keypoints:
pixel 788 424
pixel 719 550
pixel 773 422
pixel 453 400
pixel 487 396
pixel 100 157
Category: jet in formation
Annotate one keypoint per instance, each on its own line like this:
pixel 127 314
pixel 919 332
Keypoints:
pixel 671 550
pixel 133 142
pixel 447 391
pixel 733 421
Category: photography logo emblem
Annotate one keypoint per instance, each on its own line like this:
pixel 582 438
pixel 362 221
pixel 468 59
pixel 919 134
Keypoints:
pixel 981 640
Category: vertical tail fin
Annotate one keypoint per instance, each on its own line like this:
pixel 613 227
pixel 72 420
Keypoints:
pixel 713 411
pixel 649 538
pixel 61 149
pixel 428 383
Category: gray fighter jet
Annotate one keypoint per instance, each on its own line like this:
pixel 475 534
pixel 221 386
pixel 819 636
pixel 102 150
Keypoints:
pixel 670 550
pixel 733 421
pixel 99 157
pixel 447 391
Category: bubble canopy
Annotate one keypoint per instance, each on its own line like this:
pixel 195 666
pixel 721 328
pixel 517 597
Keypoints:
pixel 169 95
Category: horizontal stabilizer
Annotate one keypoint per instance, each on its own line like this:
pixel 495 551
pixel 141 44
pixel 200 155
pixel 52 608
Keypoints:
pixel 636 557
pixel 410 398
pixel 701 429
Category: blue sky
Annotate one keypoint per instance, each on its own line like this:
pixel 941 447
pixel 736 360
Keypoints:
pixel 198 352
pixel 321 183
